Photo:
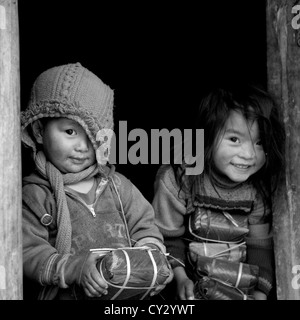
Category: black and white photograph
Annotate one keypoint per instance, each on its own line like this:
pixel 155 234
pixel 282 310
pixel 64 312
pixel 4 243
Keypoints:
pixel 149 151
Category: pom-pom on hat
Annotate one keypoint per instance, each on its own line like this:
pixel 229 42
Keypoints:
pixel 73 92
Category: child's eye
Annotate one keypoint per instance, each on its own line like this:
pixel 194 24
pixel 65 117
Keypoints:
pixel 234 139
pixel 70 132
pixel 259 143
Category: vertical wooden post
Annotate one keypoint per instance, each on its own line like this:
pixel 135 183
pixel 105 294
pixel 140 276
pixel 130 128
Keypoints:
pixel 283 55
pixel 10 155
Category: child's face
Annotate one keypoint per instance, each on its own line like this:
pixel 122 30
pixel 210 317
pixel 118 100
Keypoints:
pixel 67 146
pixel 239 153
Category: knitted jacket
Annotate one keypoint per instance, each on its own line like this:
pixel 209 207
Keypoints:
pixel 93 226
pixel 172 207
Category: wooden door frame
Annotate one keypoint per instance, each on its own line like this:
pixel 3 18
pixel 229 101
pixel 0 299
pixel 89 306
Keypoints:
pixel 283 67
pixel 10 155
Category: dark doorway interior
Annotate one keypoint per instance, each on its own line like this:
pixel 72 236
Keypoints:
pixel 158 58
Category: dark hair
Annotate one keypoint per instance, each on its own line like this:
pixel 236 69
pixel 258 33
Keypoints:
pixel 255 104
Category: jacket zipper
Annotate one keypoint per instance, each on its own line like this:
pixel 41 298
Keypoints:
pixel 90 207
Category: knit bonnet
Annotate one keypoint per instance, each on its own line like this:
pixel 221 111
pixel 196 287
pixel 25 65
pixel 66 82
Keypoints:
pixel 73 92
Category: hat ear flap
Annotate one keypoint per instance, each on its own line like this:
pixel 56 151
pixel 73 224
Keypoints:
pixel 38 131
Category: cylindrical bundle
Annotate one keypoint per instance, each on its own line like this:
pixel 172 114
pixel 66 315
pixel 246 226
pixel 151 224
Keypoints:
pixel 210 289
pixel 133 273
pixel 240 275
pixel 220 226
pixel 226 251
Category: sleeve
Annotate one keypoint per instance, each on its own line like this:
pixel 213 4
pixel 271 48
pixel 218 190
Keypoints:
pixel 260 245
pixel 169 206
pixel 41 261
pixel 38 250
pixel 139 214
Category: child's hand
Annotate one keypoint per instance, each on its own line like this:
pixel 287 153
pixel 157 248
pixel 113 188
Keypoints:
pixel 185 286
pixel 90 279
pixel 258 295
pixel 185 289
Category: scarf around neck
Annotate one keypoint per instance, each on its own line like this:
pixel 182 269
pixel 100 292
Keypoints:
pixel 57 181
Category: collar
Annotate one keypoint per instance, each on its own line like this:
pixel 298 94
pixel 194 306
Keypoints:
pixel 220 194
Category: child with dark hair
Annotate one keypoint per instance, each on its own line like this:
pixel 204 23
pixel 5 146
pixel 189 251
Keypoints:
pixel 75 201
pixel 228 206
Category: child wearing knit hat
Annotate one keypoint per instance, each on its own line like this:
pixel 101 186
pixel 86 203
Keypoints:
pixel 74 201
